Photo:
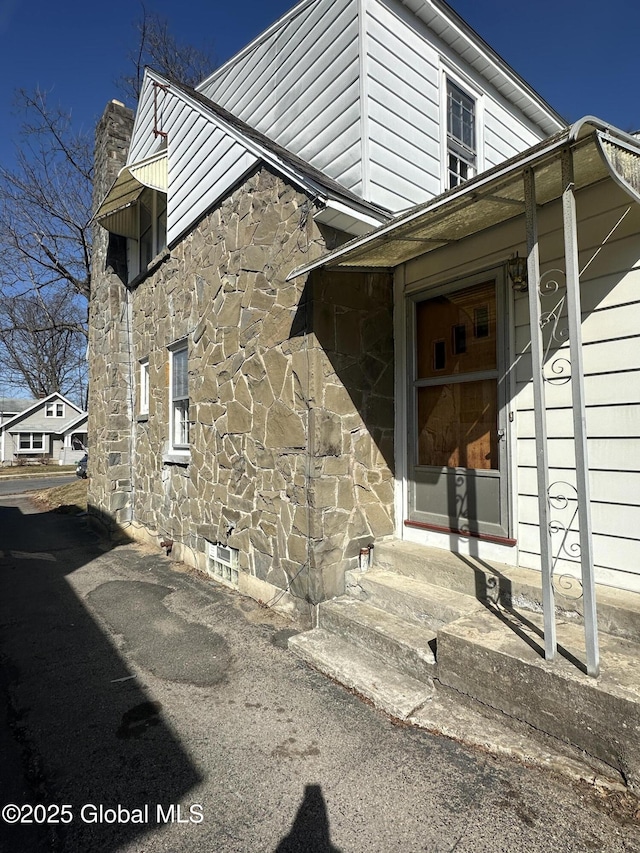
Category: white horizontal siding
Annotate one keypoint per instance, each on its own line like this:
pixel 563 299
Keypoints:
pixel 300 87
pixel 609 552
pixel 605 454
pixel 204 163
pixel 603 389
pixel 611 359
pixel 620 488
pixel 608 519
pixel 602 422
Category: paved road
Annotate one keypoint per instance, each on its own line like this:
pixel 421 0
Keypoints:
pixel 11 486
pixel 135 684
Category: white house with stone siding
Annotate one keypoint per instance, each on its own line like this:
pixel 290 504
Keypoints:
pixel 366 108
pixel 311 350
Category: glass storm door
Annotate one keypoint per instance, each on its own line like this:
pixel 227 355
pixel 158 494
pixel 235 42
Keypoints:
pixel 457 453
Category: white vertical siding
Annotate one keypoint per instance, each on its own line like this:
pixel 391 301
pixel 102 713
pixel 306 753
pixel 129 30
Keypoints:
pixel 354 87
pixel 204 161
pixel 405 88
pixel 300 87
pixel 403 108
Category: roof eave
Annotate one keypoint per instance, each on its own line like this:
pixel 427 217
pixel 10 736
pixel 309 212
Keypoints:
pixel 367 251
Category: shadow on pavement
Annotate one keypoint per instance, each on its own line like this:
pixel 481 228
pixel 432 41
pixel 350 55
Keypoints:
pixel 310 830
pixel 86 731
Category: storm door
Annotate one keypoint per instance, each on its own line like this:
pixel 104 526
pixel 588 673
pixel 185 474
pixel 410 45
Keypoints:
pixel 457 437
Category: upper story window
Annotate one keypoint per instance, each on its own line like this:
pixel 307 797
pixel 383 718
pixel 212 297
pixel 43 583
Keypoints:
pixel 461 135
pixel 151 231
pixel 54 410
pixel 179 397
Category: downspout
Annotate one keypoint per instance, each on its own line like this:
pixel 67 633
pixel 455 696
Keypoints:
pixel 131 400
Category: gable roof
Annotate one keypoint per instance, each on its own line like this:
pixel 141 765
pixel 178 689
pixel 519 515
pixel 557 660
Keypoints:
pixel 82 417
pixel 285 161
pixel 40 403
pixel 493 197
pixel 339 207
pixel 14 404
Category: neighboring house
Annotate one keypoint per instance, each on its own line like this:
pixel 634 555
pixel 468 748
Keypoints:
pixel 47 429
pixel 230 407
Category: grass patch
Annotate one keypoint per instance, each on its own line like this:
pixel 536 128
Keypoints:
pixel 71 499
pixel 12 470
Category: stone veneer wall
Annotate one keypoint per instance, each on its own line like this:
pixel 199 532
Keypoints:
pixel 291 399
pixel 352 422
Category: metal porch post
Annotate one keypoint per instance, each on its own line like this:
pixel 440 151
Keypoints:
pixel 540 412
pixel 579 411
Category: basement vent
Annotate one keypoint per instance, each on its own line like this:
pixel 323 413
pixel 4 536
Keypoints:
pixel 223 563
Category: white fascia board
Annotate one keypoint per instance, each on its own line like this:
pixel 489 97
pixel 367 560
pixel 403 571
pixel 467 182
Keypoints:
pixel 464 31
pixel 339 215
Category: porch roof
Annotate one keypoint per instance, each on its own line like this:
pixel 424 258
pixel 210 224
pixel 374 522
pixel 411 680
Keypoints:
pixel 495 196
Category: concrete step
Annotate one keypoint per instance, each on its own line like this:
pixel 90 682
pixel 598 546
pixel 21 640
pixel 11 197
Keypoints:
pixel 510 586
pixel 409 598
pixel 405 645
pixel 387 688
pixel 497 658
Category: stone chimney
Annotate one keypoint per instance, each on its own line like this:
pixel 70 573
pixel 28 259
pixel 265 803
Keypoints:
pixel 111 380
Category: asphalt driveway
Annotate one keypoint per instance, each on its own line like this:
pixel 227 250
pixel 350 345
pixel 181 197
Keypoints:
pixel 166 713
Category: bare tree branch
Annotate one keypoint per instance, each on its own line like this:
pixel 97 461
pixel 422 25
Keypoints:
pixel 157 47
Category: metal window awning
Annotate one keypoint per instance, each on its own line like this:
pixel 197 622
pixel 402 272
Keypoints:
pixel 494 197
pixel 117 211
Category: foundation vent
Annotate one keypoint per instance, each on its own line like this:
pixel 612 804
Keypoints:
pixel 222 563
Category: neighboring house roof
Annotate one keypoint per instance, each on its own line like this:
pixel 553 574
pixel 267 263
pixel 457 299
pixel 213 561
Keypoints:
pixel 12 422
pixel 14 405
pixel 79 421
pixel 600 151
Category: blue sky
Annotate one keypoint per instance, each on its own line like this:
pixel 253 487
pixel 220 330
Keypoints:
pixel 580 55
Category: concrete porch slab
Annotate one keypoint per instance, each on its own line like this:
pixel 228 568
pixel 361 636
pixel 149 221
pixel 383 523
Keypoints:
pixel 496 657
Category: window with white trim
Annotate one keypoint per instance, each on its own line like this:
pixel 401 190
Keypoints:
pixel 54 410
pixel 144 387
pixel 461 135
pixel 31 441
pixel 180 397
